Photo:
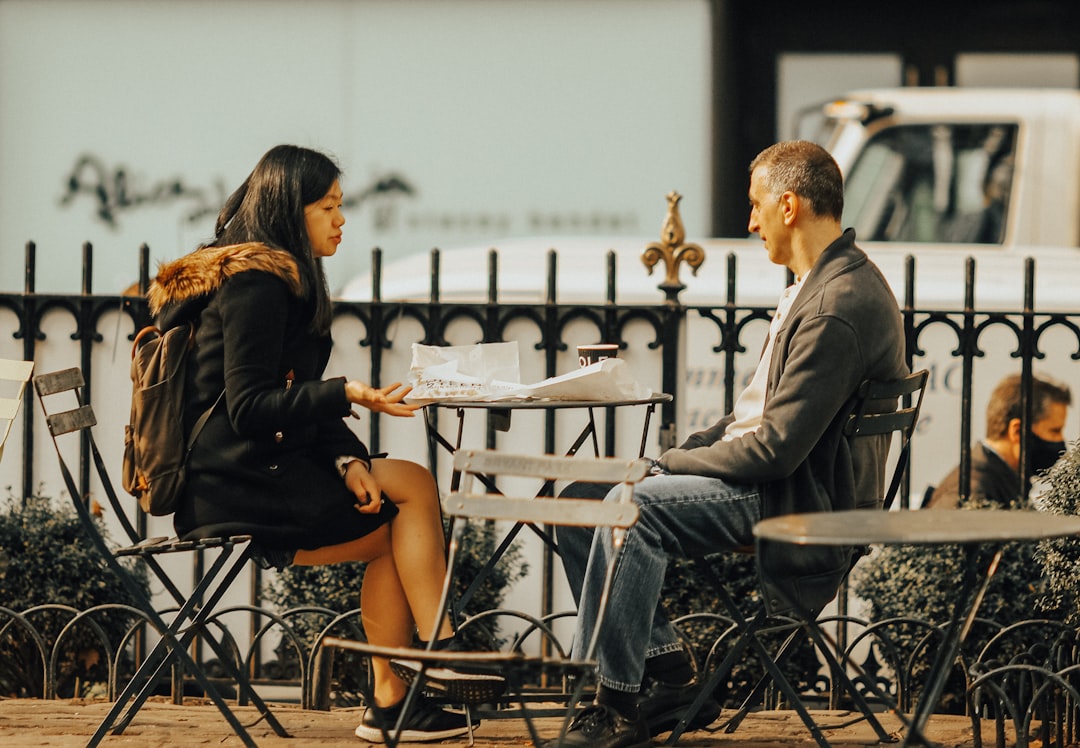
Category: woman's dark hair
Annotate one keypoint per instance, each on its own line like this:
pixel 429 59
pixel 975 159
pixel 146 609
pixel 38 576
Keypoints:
pixel 269 208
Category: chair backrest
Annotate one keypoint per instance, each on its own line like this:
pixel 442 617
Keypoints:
pixel 13 378
pixel 67 414
pixel 870 418
pixel 580 512
pixel 618 516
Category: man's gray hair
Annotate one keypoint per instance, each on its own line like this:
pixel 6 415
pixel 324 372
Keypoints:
pixel 807 170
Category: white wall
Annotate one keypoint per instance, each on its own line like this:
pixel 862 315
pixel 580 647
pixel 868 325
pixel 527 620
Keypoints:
pixel 506 119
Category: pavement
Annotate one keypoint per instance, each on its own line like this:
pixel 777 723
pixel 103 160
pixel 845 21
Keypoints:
pixel 70 723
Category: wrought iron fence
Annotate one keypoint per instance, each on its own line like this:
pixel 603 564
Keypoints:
pixel 94 331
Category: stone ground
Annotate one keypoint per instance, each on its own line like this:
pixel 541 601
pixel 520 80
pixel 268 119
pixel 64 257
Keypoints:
pixel 70 723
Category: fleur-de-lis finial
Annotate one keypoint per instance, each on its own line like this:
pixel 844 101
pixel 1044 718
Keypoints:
pixel 673 251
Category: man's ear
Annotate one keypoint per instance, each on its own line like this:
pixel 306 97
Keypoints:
pixel 1013 432
pixel 789 205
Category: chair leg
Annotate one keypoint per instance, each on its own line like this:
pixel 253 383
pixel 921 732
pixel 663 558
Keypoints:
pixel 825 647
pixel 789 691
pixel 170 647
pixel 748 629
pixel 782 655
pixel 243 683
pixel 197 625
pixel 167 648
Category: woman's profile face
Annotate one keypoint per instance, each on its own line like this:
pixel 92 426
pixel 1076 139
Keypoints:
pixel 323 220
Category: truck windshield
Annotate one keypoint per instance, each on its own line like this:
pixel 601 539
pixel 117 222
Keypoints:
pixel 932 183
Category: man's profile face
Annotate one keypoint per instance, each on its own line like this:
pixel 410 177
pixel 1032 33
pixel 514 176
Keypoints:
pixel 767 218
pixel 1051 426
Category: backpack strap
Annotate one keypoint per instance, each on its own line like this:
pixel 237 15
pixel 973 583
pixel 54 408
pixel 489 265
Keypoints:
pixel 198 427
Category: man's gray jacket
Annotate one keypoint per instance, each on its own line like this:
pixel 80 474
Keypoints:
pixel 843 328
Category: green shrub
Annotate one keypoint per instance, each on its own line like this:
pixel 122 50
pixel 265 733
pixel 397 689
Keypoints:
pixel 1060 558
pixel 46 559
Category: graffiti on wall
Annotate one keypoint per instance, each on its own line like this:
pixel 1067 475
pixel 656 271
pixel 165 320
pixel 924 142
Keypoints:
pixel 113 191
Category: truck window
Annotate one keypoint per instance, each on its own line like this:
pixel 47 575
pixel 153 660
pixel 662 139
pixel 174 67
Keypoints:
pixel 932 183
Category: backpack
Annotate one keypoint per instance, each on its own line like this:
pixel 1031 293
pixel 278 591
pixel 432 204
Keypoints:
pixel 155 451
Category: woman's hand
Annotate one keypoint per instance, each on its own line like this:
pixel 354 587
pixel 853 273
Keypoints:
pixel 362 483
pixel 388 399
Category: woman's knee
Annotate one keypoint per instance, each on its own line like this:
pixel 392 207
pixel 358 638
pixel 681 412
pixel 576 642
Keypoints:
pixel 403 480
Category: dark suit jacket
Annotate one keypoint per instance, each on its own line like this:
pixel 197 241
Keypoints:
pixel 844 327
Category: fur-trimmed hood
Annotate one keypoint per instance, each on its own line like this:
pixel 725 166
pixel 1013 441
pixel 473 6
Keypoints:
pixel 202 272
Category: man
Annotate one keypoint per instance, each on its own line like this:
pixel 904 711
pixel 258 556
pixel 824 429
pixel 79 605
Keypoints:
pixel 782 450
pixel 995 462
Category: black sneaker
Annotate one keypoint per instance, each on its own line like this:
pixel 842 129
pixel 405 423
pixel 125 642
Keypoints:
pixel 425 722
pixel 600 726
pixel 662 705
pixel 464 683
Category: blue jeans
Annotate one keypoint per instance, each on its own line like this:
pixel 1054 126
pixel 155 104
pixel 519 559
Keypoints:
pixel 684 515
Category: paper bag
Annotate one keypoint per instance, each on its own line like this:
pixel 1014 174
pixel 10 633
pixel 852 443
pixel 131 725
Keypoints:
pixel 464 372
pixel 490 372
pixel 605 380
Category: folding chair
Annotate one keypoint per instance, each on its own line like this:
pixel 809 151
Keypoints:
pixel 464 505
pixel 13 375
pixel 869 418
pixel 194 609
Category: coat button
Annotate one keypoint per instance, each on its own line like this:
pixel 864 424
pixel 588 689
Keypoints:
pixel 279 437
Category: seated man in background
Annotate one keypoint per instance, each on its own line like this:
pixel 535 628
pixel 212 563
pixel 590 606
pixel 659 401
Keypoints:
pixel 995 461
pixel 781 450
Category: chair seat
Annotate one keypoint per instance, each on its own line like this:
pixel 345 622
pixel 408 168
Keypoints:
pixel 514 666
pixel 444 657
pixel 162 544
pixel 57 391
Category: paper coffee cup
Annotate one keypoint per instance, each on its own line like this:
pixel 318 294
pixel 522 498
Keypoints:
pixel 590 354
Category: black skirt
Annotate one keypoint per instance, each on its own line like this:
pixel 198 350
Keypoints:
pixel 294 504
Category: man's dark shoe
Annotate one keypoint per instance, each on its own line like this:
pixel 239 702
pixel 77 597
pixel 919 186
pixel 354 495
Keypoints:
pixel 662 705
pixel 600 726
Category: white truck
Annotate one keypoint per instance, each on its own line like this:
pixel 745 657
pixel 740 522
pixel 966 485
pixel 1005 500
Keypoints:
pixel 941 175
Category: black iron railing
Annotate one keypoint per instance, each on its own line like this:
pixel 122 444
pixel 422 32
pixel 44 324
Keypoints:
pixel 955 343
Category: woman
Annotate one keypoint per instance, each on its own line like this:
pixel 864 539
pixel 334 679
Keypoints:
pixel 275 459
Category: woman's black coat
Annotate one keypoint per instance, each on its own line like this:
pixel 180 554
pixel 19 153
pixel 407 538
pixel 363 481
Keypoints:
pixel 265 462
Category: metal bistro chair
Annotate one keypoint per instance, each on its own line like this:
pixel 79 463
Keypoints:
pixel 869 418
pixel 14 374
pixel 67 424
pixel 464 505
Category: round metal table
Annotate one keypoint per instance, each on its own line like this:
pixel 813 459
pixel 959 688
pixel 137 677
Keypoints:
pixel 499 412
pixel 970 528
pixel 919 527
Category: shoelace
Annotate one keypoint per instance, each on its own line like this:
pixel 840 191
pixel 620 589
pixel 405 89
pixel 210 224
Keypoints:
pixel 595 721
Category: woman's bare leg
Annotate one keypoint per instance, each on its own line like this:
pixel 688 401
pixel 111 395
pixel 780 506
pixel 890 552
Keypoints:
pixel 406 564
pixel 417 540
pixel 384 609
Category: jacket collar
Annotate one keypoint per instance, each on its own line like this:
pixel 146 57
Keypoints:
pixel 203 271
pixel 837 258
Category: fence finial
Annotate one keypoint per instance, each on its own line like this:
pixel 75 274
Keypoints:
pixel 673 250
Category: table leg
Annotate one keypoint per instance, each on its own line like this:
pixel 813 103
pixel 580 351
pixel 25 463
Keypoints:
pixel 500 422
pixel 645 429
pixel 964 612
